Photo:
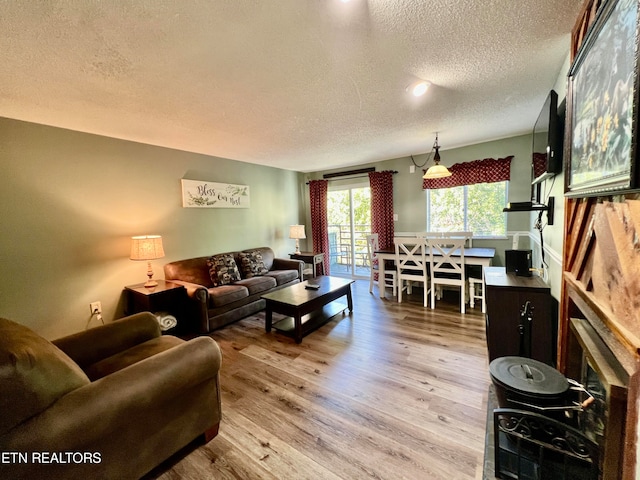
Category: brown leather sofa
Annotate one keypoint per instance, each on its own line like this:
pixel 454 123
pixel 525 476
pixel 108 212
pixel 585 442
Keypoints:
pixel 110 402
pixel 212 306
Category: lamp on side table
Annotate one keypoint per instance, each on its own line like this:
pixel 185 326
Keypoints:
pixel 297 232
pixel 147 247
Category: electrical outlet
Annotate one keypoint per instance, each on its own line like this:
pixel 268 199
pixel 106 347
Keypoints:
pixel 95 307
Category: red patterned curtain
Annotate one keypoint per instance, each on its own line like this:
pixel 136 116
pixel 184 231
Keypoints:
pixel 489 170
pixel 539 164
pixel 319 220
pixel 382 207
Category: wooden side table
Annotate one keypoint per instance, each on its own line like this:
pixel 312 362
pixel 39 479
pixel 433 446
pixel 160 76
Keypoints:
pixel 312 258
pixel 166 297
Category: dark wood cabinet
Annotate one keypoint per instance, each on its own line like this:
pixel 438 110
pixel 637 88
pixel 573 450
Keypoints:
pixel 165 297
pixel 506 295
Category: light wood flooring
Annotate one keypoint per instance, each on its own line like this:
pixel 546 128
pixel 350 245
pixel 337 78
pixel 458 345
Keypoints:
pixel 392 391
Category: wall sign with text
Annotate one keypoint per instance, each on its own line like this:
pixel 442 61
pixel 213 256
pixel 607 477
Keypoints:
pixel 202 194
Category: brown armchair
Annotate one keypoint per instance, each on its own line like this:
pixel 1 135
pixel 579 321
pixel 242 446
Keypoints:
pixel 110 402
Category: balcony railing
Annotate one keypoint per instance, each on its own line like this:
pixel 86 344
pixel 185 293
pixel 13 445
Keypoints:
pixel 346 249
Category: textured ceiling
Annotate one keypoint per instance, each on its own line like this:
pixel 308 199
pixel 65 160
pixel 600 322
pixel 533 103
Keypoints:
pixel 304 85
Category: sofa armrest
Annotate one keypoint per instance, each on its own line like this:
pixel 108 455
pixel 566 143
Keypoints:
pixel 198 296
pixel 117 414
pixel 288 264
pixel 90 346
pixel 195 291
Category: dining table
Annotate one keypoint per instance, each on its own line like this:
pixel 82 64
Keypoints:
pixel 481 256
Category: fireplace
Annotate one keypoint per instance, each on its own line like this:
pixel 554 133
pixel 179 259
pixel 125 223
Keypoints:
pixel 603 365
pixel 597 432
pixel 537 429
pixel 596 359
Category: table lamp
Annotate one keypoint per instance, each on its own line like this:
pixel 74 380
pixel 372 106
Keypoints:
pixel 147 247
pixel 297 232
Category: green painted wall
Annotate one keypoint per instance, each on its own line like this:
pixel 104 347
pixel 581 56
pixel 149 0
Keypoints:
pixel 70 202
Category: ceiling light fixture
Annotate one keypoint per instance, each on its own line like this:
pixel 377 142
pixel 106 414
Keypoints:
pixel 417 89
pixel 437 170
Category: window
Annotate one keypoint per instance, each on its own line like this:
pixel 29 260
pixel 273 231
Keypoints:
pixel 476 208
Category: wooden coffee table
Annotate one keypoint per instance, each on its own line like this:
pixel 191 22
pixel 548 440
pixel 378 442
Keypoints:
pixel 306 308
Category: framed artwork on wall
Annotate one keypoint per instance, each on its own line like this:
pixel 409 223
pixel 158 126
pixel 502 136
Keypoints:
pixel 202 194
pixel 603 105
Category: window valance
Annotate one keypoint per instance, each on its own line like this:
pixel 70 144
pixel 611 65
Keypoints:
pixel 489 170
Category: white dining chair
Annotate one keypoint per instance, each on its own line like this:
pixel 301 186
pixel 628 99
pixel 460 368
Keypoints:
pixel 411 263
pixel 474 275
pixel 468 236
pixel 446 265
pixel 389 280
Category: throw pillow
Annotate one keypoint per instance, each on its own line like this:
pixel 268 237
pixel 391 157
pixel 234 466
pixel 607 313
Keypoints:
pixel 223 270
pixel 252 264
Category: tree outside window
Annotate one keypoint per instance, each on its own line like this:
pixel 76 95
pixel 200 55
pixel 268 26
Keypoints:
pixel 476 208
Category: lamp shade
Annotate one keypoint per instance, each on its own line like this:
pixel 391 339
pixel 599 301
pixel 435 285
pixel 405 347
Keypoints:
pixel 437 171
pixel 296 231
pixel 146 247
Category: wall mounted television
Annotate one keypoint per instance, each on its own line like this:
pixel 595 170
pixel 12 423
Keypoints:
pixel 548 132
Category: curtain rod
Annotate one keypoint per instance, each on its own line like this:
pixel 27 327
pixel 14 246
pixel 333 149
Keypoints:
pixel 338 176
pixel 349 172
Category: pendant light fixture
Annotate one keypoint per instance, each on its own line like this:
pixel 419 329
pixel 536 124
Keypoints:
pixel 437 170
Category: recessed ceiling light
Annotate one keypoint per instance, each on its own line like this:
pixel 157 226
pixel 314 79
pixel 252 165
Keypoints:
pixel 419 88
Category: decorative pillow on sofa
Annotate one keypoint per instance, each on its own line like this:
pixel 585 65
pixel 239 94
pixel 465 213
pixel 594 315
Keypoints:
pixel 223 269
pixel 252 264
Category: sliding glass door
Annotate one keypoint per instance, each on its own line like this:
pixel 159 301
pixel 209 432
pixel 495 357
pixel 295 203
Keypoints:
pixel 349 215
